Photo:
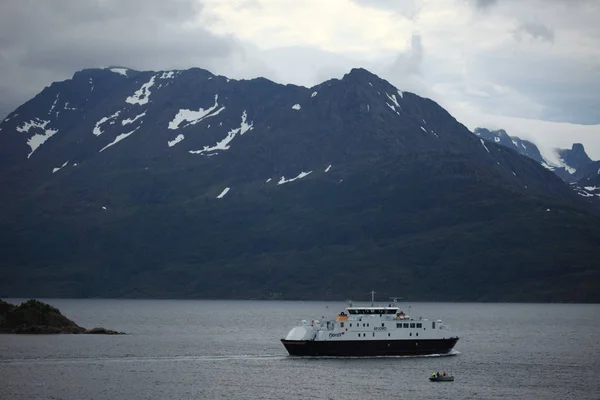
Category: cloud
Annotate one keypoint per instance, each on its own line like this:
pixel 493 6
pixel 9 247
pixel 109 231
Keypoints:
pixel 535 30
pixel 49 41
pixel 407 8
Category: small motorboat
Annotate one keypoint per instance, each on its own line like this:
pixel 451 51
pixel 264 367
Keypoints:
pixel 443 377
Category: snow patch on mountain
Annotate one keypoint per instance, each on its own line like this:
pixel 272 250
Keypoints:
pixel 59 168
pixel 424 130
pixel 300 176
pixel 118 139
pixel 97 131
pixel 142 95
pixel 177 139
pixel 223 193
pixel 313 94
pixel 224 144
pixel 483 144
pixel 120 71
pixel 53 104
pixel 69 108
pixel 268 180
pixel 132 120
pixel 296 106
pixel 393 98
pixel 328 168
pixel 38 139
pixel 193 117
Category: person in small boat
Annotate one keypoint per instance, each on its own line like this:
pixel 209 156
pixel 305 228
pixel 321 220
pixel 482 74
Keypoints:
pixel 444 373
pixel 433 374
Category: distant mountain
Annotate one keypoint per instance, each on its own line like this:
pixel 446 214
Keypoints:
pixel 574 166
pixel 500 137
pixel 186 184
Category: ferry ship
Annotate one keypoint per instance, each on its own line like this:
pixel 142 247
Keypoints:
pixel 369 332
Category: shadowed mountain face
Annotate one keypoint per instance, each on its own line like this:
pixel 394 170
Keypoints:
pixel 187 184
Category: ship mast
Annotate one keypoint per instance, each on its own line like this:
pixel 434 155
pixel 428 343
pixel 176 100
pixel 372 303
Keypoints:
pixel 372 298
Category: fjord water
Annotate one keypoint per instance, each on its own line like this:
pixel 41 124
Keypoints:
pixel 180 349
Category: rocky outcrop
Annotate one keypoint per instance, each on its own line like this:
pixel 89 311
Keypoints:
pixel 36 317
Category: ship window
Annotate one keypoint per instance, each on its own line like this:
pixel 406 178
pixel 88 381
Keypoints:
pixel 359 335
pixel 432 324
pixel 398 325
pixel 373 334
pixel 382 324
pixel 410 334
pixel 406 324
pixel 412 324
pixel 417 333
pixel 367 324
pixel 389 334
pixel 419 325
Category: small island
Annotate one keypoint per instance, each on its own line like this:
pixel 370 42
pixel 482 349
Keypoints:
pixel 36 317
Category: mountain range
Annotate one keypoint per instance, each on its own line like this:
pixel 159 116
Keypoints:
pixel 574 165
pixel 125 183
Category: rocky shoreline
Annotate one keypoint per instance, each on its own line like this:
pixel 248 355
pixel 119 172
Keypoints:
pixel 36 317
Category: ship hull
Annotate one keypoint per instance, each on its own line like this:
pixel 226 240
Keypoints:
pixel 368 348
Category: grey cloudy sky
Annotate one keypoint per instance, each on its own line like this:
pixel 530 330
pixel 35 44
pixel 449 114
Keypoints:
pixel 494 63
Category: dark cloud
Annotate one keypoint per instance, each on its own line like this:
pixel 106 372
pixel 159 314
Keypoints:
pixel 484 4
pixel 44 41
pixel 535 30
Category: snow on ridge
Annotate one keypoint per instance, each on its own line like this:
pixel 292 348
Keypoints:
pixel 177 139
pixel 118 139
pixel 141 95
pixel 132 120
pixel 424 130
pixel 224 144
pixel 313 94
pixel 97 131
pixel 483 144
pixel 223 193
pixel 496 139
pixel 296 106
pixel 120 71
pixel 515 142
pixel 193 117
pixel 401 94
pixel 59 168
pixel 328 168
pixel 300 176
pixel 268 180
pixel 167 75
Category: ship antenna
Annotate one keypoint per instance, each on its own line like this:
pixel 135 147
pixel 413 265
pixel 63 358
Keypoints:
pixel 372 298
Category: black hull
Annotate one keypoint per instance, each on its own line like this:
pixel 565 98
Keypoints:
pixel 368 348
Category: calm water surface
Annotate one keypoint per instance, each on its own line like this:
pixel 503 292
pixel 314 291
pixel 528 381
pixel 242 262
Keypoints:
pixel 179 349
